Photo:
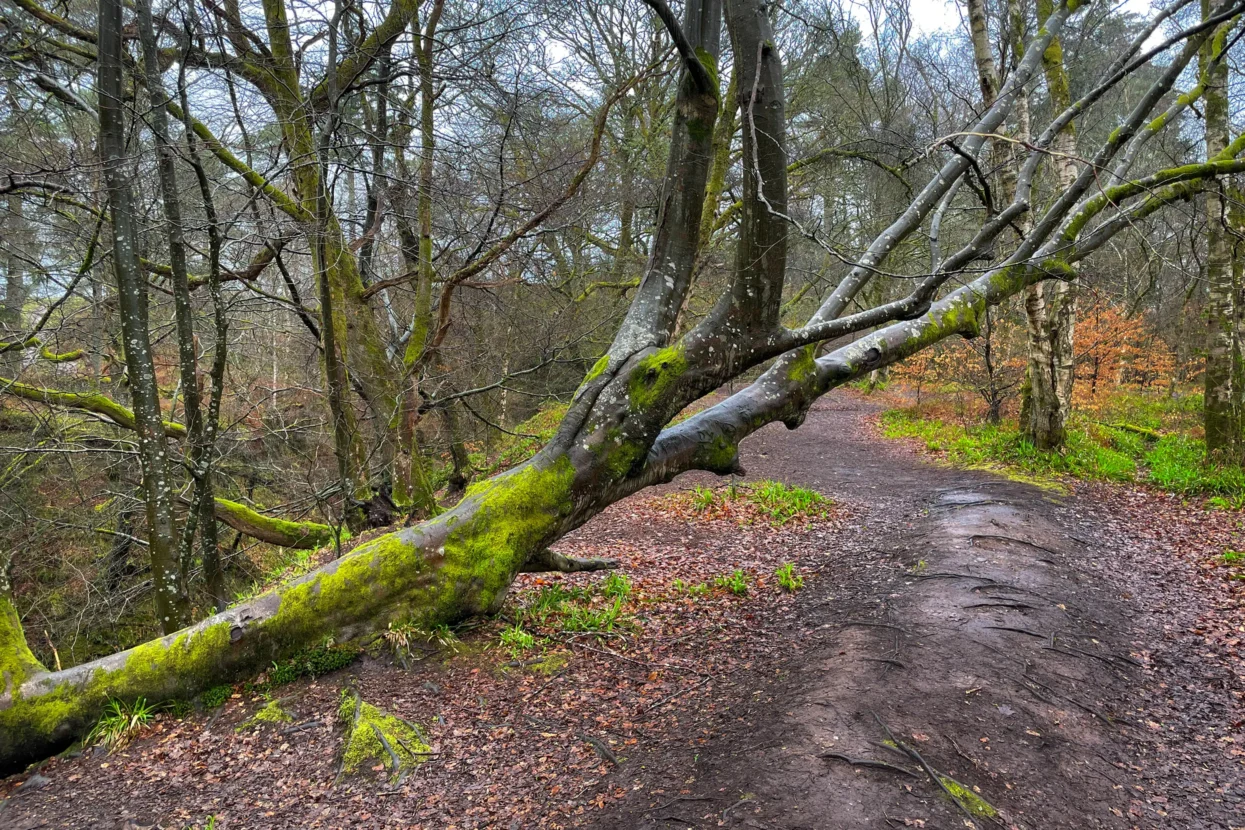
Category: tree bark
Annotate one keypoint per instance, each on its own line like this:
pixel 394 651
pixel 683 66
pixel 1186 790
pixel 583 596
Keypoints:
pixel 1050 307
pixel 198 441
pixel 170 593
pixel 1222 402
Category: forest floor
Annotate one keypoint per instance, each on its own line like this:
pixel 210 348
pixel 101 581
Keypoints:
pixel 1072 659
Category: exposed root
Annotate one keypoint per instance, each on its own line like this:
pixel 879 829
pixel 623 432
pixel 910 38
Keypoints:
pixel 547 560
pixel 867 762
pixel 376 738
pixel 973 806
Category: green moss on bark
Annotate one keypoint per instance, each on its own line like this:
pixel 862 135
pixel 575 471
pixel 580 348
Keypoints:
pixel 517 514
pixel 655 378
pixel 375 738
pixel 16 660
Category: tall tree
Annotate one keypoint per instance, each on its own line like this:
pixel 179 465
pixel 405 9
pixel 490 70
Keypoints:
pixel 1050 307
pixel 132 303
pixel 1222 399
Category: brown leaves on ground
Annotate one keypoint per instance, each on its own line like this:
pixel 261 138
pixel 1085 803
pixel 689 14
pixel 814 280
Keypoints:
pixel 521 736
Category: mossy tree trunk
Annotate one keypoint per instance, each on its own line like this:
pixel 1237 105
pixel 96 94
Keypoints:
pixel 614 440
pixel 1222 398
pixel 1050 307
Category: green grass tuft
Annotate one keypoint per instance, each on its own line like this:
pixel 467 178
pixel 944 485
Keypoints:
pixel 120 723
pixel 736 582
pixel 788 579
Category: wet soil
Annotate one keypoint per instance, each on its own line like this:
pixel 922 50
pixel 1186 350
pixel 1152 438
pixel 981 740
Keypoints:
pixel 1020 645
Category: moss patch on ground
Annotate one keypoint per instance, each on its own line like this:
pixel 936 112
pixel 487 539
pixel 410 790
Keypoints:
pixel 272 714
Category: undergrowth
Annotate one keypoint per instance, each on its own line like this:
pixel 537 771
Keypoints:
pixel 312 662
pixel 768 501
pixel 1109 450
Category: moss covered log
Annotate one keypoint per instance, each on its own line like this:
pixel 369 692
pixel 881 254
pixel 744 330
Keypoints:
pixel 274 531
pixel 456 566
pixel 87 401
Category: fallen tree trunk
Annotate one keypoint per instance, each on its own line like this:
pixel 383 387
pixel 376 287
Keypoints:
pixel 274 531
pixel 455 566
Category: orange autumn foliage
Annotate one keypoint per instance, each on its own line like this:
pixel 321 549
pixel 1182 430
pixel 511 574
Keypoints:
pixel 1115 350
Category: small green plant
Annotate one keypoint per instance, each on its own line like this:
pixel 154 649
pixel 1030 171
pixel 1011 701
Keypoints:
pixel 788 578
pixel 1232 502
pixel 120 723
pixel 216 696
pixel 403 636
pixel 782 503
pixel 584 618
pixel 919 567
pixel 517 641
pixel 698 589
pixel 553 599
pixel 312 662
pixel 617 585
pixel 179 708
pixel 703 498
pixel 1233 557
pixel 736 582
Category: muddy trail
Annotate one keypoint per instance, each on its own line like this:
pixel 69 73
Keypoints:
pixel 1018 648
pixel 964 644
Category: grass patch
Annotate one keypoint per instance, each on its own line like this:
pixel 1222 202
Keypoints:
pixel 1095 450
pixel 788 579
pixel 617 586
pixel 582 618
pixel 698 589
pixel 557 608
pixel 736 582
pixel 771 502
pixel 516 641
pixel 120 723
pixel 1001 447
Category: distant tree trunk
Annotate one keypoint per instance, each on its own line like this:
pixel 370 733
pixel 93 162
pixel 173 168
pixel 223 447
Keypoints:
pixel 1050 307
pixel 170 594
pixel 412 492
pixel 198 441
pixel 723 137
pixel 209 542
pixel 11 327
pixel 1222 401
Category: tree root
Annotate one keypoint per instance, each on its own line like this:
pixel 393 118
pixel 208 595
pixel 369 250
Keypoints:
pixel 867 762
pixel 970 804
pixel 548 560
pixel 376 738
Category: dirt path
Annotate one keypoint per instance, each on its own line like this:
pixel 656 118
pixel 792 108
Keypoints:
pixel 1006 635
pixel 1044 651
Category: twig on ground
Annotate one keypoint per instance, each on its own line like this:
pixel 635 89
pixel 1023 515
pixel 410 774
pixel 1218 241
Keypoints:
pixel 677 694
